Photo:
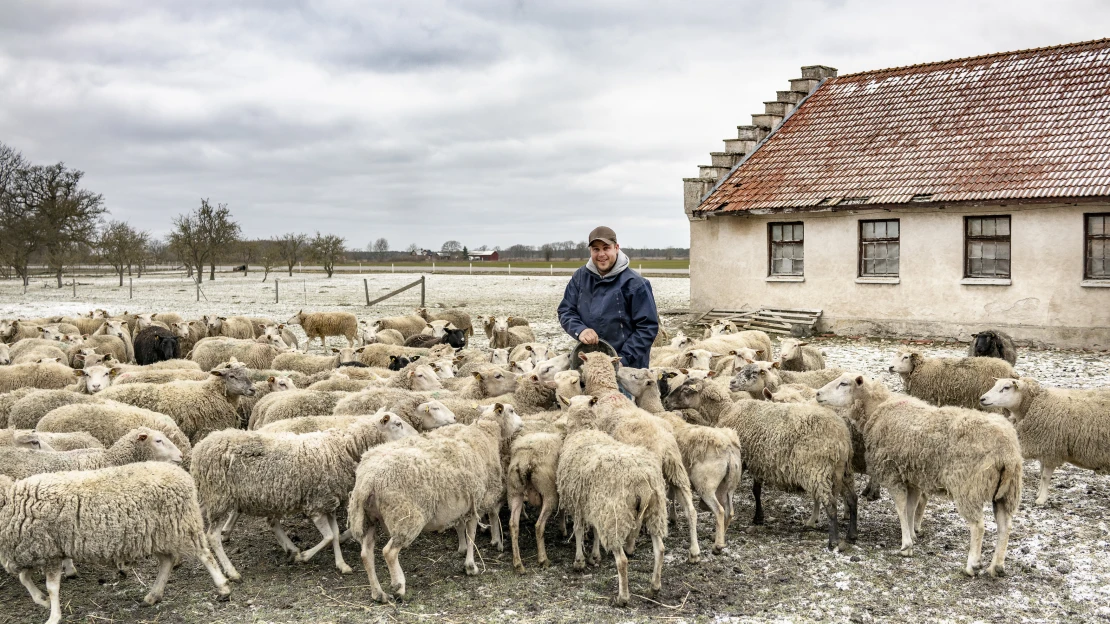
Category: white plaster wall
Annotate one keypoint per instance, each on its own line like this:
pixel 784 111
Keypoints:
pixel 1045 302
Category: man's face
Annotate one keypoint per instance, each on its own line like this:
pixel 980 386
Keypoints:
pixel 604 255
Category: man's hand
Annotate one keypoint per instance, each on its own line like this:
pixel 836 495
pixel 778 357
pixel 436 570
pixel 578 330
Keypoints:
pixel 588 336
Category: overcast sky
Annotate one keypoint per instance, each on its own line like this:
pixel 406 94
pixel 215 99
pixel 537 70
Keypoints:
pixel 495 122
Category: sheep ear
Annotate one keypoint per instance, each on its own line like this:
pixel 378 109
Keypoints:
pixel 272 379
pixel 534 378
pixel 684 371
pixel 711 374
pixel 593 401
pixel 767 394
pixel 385 419
pixel 733 352
pixel 562 400
pixel 859 380
pixel 114 371
pixel 615 359
pixel 222 318
pixel 582 356
pixel 84 336
pixel 528 347
pixel 478 375
pixel 802 344
pixel 775 365
pixel 670 374
pixel 334 350
pixel 360 349
pixel 499 408
pixel 79 372
pixel 142 436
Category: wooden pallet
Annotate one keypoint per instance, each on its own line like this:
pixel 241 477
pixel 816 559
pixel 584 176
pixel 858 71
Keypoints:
pixel 771 320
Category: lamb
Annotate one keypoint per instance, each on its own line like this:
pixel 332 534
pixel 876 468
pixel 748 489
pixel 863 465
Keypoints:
pixel 138 445
pixel 155 344
pixel 915 449
pixel 458 318
pixel 456 338
pixel 790 446
pixel 105 422
pixel 55 441
pixel 198 407
pixel 949 381
pixel 1056 426
pixel 110 516
pixel 512 321
pixel 613 488
pixel 378 355
pixel 50 375
pixel 276 475
pixel 534 458
pixel 711 454
pixel 428 483
pixel 795 355
pixel 229 326
pixel 188 334
pixel 291 404
pixel 993 343
pixel 409 325
pixel 506 336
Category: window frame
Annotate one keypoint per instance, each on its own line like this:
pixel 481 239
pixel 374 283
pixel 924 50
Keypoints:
pixel 860 247
pixel 771 248
pixel 1088 238
pixel 968 239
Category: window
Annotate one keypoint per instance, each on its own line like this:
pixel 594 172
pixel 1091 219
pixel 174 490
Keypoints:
pixel 878 248
pixel 786 249
pixel 1098 246
pixel 987 248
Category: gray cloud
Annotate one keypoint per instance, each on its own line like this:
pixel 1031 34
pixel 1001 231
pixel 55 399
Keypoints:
pixel 490 122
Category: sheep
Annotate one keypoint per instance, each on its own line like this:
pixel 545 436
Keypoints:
pixel 993 343
pixel 56 441
pixel 211 352
pixel 37 353
pixel 26 439
pixel 522 367
pixel 323 324
pixel 753 339
pixel 535 352
pixel 915 449
pixel 409 325
pixel 84 324
pixel 159 376
pixel 229 326
pixel 428 483
pixel 814 379
pixel 26 412
pixel 111 515
pixel 547 368
pixel 138 445
pixel 311 364
pixel 711 454
pixel 279 330
pixel 436 328
pixel 534 458
pixel 198 407
pixel 613 488
pixel 1055 426
pixel 102 344
pixel 487 382
pixel 367 335
pixel 378 354
pixel 119 330
pixel 105 422
pixel 531 396
pixel 507 336
pixel 16 330
pixel 795 355
pixel 276 475
pixel 46 376
pixel 456 338
pixel 155 344
pixel 489 322
pixel 60 333
pixel 949 381
pixel 458 318
pixel 343 383
pixel 567 384
pixel 291 404
pixel 739 357
pixel 789 446
pixel 188 334
pixel 5 354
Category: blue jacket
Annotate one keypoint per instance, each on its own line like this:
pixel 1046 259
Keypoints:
pixel 620 307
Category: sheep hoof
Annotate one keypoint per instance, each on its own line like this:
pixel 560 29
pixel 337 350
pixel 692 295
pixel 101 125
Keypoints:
pixel 546 563
pixel 346 569
pixel 718 549
pixel 907 551
pixel 379 596
pixel 234 576
pixel 471 569
pixel 151 599
pixel 970 571
pixel 996 571
pixel 1040 502
pixel 694 557
pixel 579 564
pixel 519 568
pixel 224 593
pixel 595 561
pixel 398 590
pixel 620 601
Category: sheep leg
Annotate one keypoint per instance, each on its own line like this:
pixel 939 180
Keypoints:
pixel 630 541
pixel 657 570
pixel 209 563
pixel 283 540
pixel 165 566
pixel 460 530
pixel 975 553
pixel 1046 478
pixel 546 510
pixel 692 519
pixel 367 556
pixel 216 541
pixel 622 577
pixel 834 530
pixel 231 518
pixel 324 527
pixel 36 593
pixel 721 519
pixel 1002 518
pixel 579 556
pixel 724 499
pixel 757 492
pixel 873 491
pixel 68 570
pixel 595 555
pixel 851 501
pixel 919 514
pixel 905 516
pixel 53 587
pixel 497 538
pixel 390 553
pixel 515 506
pixel 672 506
pixel 814 516
pixel 471 529
pixel 335 545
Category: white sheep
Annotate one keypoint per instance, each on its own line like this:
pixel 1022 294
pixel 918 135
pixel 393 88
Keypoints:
pixel 949 381
pixel 138 445
pixel 796 355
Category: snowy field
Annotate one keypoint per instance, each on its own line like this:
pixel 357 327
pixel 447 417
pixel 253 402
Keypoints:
pixel 1058 568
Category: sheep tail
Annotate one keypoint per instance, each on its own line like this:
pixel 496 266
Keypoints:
pixel 1008 491
pixel 356 517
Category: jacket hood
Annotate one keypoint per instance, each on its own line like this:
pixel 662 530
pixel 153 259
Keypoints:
pixel 619 266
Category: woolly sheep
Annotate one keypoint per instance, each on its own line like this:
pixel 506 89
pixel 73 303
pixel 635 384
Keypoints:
pixel 106 422
pixel 613 488
pixel 1056 426
pixel 44 376
pixel 291 404
pixel 275 475
pixel 409 325
pixel 522 367
pixel 344 384
pixel 159 376
pixel 789 446
pixel 949 381
pixel 56 441
pixel 111 515
pixel 512 321
pixel 531 396
pixel 5 354
pixel 795 355
pixel 534 458
pixel 993 343
pixel 279 330
pixel 138 445
pixel 211 352
pixel 546 369
pixel 307 363
pixel 915 449
pixel 198 407
pixel 378 354
pixel 428 483
pixel 368 335
pixel 28 411
pixel 486 382
pixel 239 327
pixel 458 318
pixel 155 344
pixel 102 344
pixel 506 336
pixel 536 352
pixel 188 334
pixel 324 324
pixel 567 384
pixel 753 339
pixel 119 330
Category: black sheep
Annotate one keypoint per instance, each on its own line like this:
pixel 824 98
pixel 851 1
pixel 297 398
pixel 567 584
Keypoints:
pixel 993 343
pixel 454 337
pixel 396 363
pixel 155 344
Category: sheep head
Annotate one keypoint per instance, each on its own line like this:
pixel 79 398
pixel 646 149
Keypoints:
pixel 433 414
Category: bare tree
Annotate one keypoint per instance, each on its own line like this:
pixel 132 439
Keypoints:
pixel 452 247
pixel 381 247
pixel 327 249
pixel 200 237
pixel 412 248
pixel 269 253
pixel 120 245
pixel 291 248
pixel 68 214
pixel 548 251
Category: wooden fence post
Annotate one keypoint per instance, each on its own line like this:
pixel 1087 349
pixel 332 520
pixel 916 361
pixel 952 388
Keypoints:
pixel 130 288
pixel 366 289
pixel 276 280
pixel 422 291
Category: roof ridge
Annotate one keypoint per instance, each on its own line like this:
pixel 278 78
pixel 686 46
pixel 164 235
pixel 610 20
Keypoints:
pixel 1061 46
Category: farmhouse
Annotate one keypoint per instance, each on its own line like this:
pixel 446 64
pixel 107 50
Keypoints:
pixel 930 200
pixel 484 256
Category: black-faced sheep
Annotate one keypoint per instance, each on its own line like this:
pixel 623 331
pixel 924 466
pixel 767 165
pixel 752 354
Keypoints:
pixel 155 344
pixel 993 343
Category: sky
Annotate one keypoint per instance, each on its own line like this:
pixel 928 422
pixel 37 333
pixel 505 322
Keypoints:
pixel 488 122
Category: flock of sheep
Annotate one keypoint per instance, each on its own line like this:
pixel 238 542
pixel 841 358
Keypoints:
pixel 147 435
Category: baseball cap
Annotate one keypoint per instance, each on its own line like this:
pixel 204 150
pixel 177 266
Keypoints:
pixel 603 233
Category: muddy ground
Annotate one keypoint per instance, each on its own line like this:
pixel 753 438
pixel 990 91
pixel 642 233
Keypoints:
pixel 1057 567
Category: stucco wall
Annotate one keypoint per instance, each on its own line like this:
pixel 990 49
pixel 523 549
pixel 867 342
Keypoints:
pixel 1044 304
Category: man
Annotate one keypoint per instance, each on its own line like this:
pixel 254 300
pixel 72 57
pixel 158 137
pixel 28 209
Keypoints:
pixel 606 300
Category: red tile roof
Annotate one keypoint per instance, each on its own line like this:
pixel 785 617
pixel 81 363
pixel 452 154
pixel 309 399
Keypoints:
pixel 1028 124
